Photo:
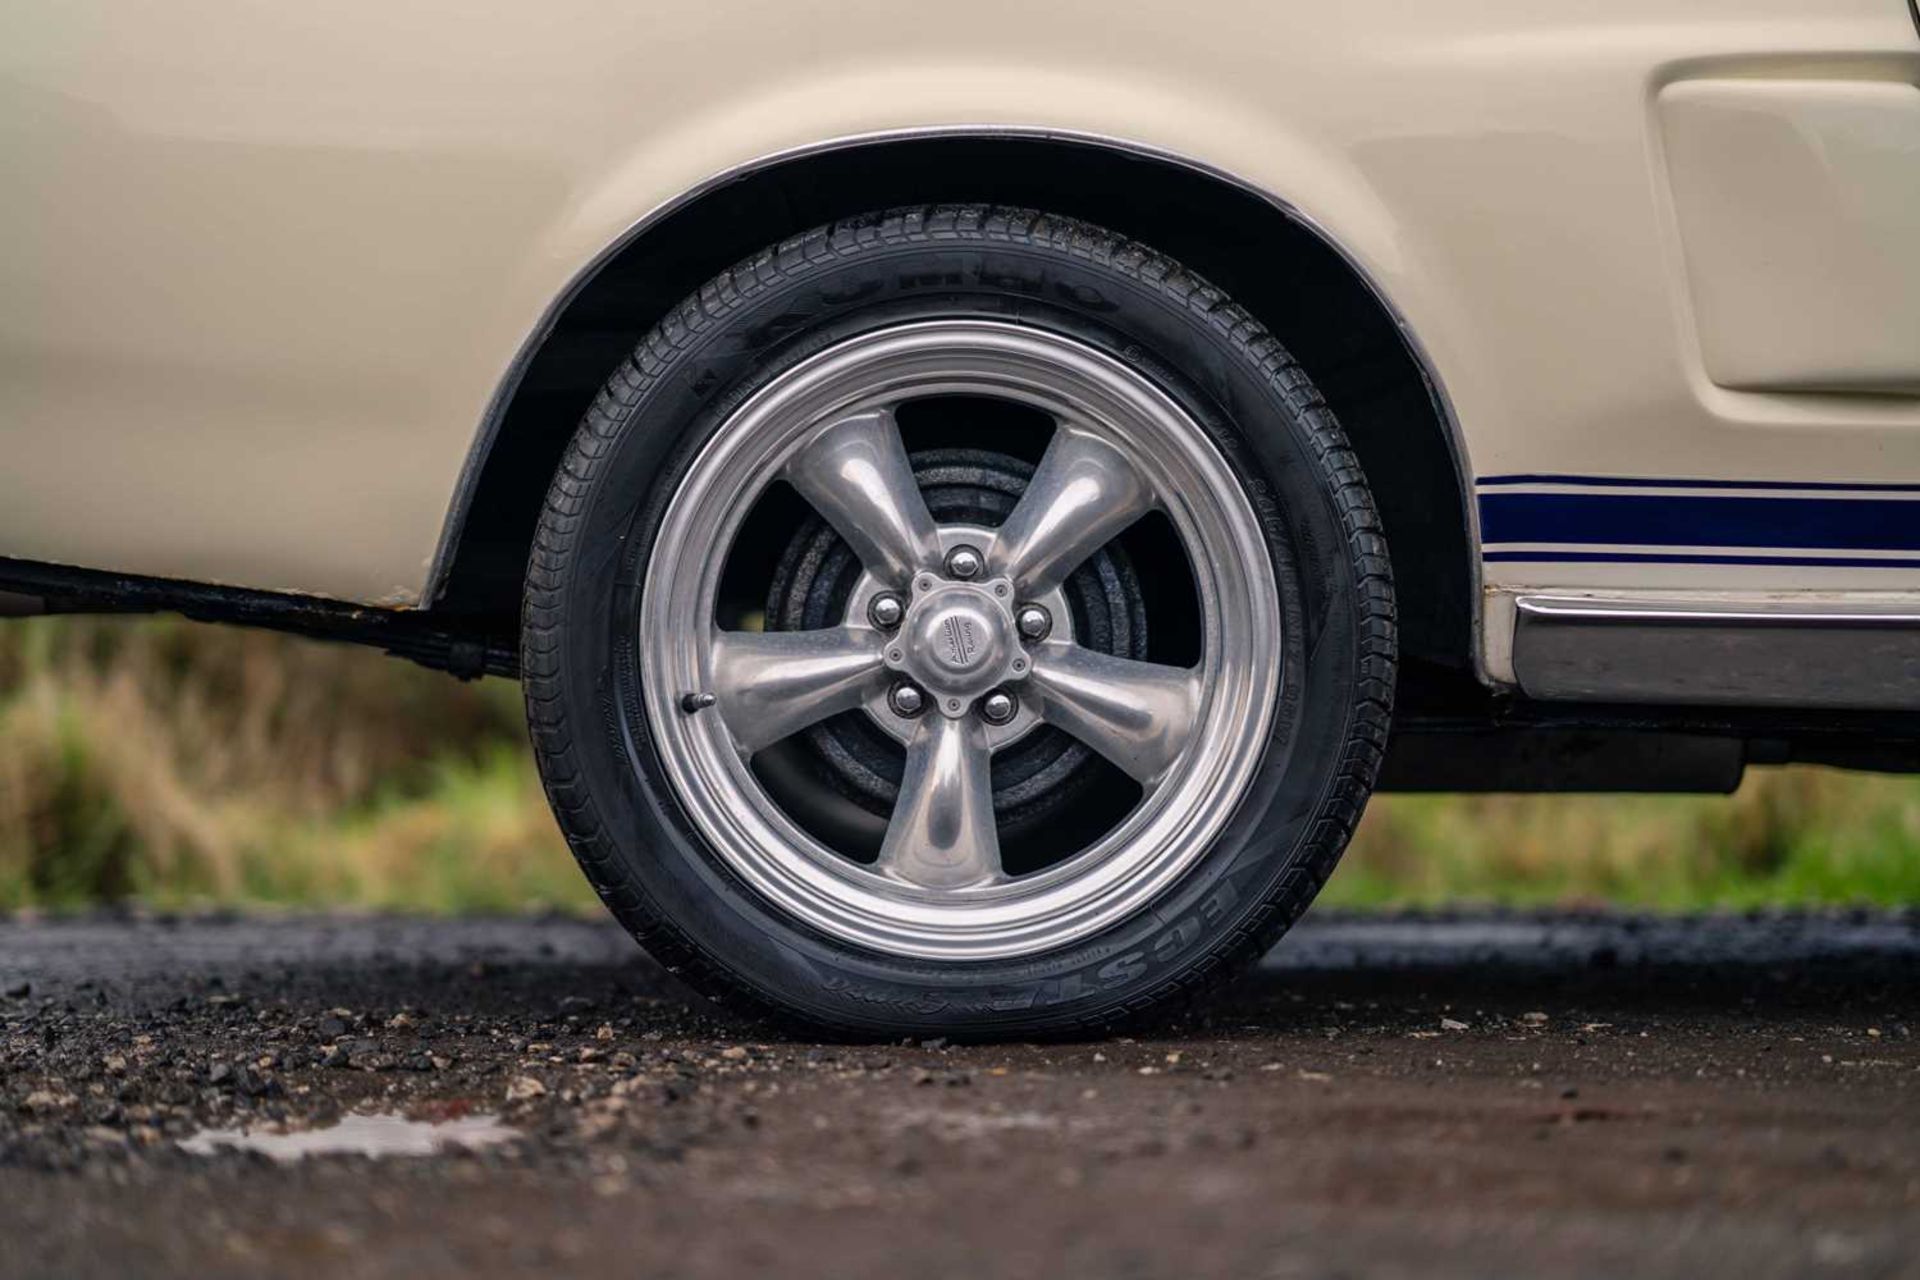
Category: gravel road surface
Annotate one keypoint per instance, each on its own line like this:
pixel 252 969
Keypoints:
pixel 1468 1095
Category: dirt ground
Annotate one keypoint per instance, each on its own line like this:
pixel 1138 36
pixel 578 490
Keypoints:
pixel 1474 1095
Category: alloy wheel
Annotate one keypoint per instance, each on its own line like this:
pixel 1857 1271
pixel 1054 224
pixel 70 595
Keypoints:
pixel 957 641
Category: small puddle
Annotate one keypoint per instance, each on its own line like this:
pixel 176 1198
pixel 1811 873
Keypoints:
pixel 375 1136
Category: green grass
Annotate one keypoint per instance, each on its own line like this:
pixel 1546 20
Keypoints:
pixel 1788 836
pixel 174 764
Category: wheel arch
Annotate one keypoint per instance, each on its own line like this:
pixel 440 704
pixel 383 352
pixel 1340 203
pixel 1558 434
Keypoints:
pixel 1271 257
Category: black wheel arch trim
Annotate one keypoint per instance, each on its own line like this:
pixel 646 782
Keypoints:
pixel 454 526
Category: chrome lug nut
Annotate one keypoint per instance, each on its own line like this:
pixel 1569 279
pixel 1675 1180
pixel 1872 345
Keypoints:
pixel 885 611
pixel 1033 621
pixel 907 700
pixel 964 562
pixel 998 707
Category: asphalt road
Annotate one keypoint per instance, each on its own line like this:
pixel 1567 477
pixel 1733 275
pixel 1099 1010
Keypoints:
pixel 1480 1095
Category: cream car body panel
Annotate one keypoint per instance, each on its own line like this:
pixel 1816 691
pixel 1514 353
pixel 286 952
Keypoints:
pixel 266 268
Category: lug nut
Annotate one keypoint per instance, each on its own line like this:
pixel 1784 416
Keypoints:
pixel 906 700
pixel 964 562
pixel 1033 621
pixel 998 707
pixel 885 611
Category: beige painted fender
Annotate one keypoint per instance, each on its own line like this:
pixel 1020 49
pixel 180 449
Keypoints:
pixel 265 268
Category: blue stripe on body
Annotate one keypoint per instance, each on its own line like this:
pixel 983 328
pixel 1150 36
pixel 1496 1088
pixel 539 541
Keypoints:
pixel 1636 557
pixel 1674 520
pixel 1638 482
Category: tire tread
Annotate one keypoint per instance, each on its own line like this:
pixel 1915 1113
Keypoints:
pixel 562 518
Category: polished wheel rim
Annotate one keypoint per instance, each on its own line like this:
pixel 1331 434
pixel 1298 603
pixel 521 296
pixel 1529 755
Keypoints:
pixel 958 641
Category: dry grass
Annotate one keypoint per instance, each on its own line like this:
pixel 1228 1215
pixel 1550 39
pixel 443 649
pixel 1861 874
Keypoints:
pixel 168 761
pixel 174 763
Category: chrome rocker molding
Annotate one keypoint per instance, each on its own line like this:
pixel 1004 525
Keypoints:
pixel 1592 650
pixel 456 519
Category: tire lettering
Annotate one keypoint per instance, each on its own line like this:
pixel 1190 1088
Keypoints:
pixel 932 280
pixel 1116 972
pixel 1085 296
pixel 853 293
pixel 1123 969
pixel 998 279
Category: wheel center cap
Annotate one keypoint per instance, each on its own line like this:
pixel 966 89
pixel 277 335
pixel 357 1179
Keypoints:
pixel 958 640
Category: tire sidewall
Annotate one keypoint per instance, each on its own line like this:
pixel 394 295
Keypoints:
pixel 662 878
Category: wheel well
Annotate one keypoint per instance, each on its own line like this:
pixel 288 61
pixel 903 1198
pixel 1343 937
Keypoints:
pixel 1268 260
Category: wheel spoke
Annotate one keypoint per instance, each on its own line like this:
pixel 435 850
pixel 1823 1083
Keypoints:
pixel 1084 492
pixel 1139 715
pixel 856 474
pixel 943 835
pixel 769 684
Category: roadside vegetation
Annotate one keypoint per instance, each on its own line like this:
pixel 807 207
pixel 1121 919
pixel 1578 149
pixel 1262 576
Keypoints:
pixel 182 765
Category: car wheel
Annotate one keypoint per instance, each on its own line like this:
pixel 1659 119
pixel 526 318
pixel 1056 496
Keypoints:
pixel 958 621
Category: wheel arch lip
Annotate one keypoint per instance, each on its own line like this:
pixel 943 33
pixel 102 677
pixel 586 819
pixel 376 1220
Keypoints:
pixel 488 433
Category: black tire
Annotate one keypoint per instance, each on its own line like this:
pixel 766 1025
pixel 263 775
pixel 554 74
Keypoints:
pixel 594 747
